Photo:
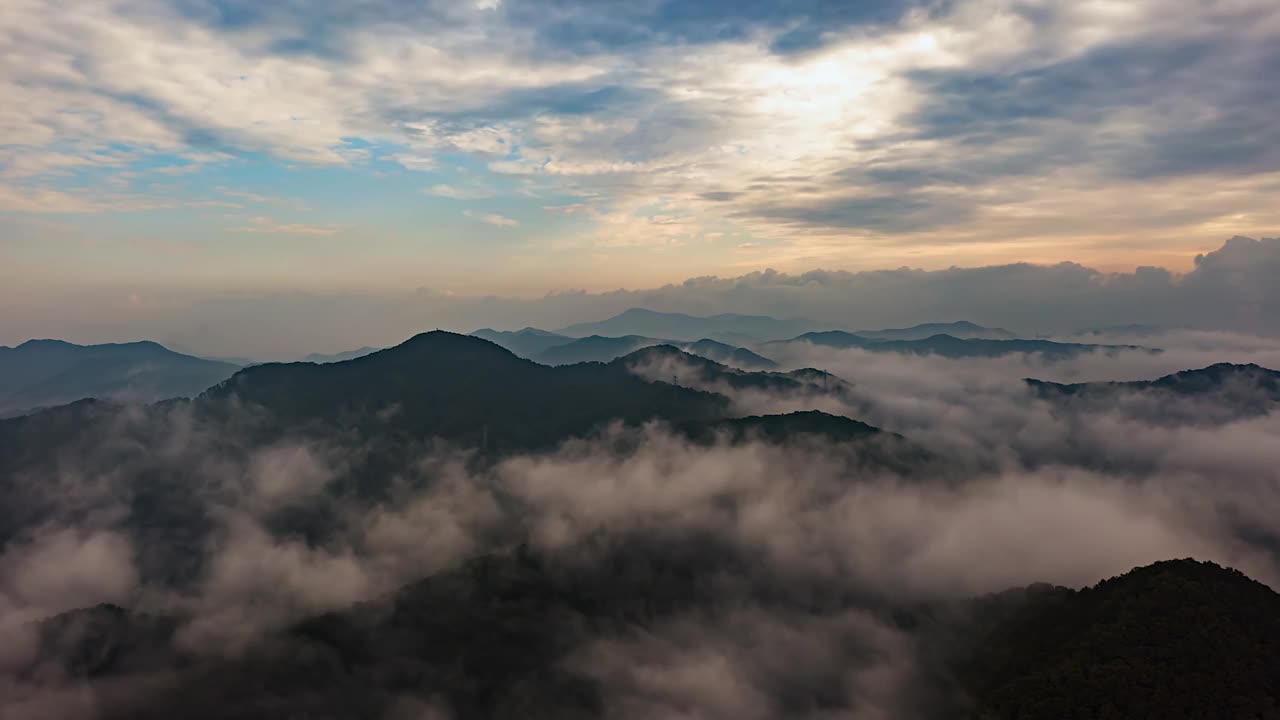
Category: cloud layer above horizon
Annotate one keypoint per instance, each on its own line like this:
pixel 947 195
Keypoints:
pixel 510 145
pixel 1229 290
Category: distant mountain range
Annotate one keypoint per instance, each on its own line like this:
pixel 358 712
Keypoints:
pixel 527 343
pixel 42 373
pixel 638 327
pixel 340 356
pixel 603 349
pixel 954 347
pixel 678 326
pixel 1132 330
pixel 749 329
pixel 660 362
pixel 1215 394
pixel 1241 381
pixel 551 348
pixel 962 329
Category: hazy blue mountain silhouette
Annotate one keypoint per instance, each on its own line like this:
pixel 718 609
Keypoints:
pixel 962 329
pixel 1212 395
pixel 953 347
pixel 527 343
pixel 597 348
pixel 1247 381
pixel 678 326
pixel 340 356
pixel 43 373
pixel 658 358
pixel 728 354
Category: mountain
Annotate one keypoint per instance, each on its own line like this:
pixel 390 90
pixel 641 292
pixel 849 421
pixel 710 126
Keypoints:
pixel 42 373
pixel 791 427
pixel 233 360
pixel 381 414
pixel 1247 382
pixel 564 593
pixel 527 343
pixel 436 385
pixel 1212 395
pixel 1175 639
pixel 1131 330
pixel 340 356
pixel 678 326
pixel 953 347
pixel 962 329
pixel 460 388
pixel 597 348
pixel 729 355
pixel 668 362
pixel 466 389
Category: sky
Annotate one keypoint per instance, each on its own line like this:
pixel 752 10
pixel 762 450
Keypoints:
pixel 214 149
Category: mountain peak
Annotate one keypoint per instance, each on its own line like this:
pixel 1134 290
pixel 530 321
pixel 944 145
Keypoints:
pixel 446 339
pixel 36 343
pixel 636 312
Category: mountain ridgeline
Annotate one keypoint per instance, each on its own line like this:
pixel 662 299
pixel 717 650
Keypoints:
pixel 1246 383
pixel 949 346
pixel 45 373
pixel 461 389
pixel 962 329
pixel 1177 639
pixel 730 328
pixel 1216 394
pixel 554 349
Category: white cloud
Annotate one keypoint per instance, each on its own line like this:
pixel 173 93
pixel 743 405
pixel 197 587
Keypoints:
pixel 266 225
pixel 491 218
pixel 797 147
pixel 458 193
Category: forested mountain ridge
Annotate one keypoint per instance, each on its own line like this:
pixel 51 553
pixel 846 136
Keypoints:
pixel 1176 639
pixel 45 373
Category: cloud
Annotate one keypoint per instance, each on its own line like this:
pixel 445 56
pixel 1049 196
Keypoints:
pixel 939 139
pixel 457 193
pixel 67 568
pixel 266 225
pixel 755 664
pixel 258 198
pixel 798 552
pixel 1230 289
pixel 491 218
